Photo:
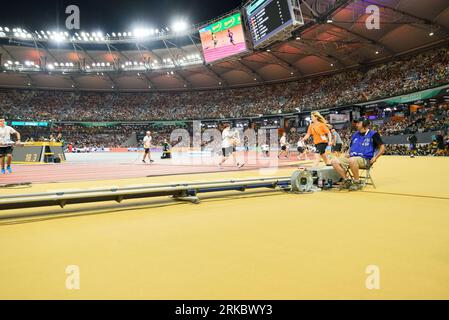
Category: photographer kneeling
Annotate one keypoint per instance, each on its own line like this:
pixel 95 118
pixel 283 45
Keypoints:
pixel 366 147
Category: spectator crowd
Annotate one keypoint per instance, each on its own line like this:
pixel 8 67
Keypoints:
pixel 393 78
pixel 402 76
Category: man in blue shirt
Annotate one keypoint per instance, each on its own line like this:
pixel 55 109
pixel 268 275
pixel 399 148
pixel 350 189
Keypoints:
pixel 366 147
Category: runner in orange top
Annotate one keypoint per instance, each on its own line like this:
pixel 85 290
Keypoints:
pixel 322 136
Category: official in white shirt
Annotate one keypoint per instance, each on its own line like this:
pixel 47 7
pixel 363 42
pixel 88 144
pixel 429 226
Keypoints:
pixel 6 145
pixel 147 146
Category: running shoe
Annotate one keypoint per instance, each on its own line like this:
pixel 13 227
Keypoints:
pixel 9 169
pixel 346 184
pixel 356 186
pixel 3 171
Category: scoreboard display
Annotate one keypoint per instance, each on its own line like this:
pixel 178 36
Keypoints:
pixel 223 38
pixel 266 18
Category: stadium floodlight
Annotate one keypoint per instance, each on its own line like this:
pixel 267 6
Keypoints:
pixel 50 67
pixel 6 29
pixel 16 63
pixel 431 34
pixel 179 26
pixel 6 65
pixel 141 32
pixel 57 37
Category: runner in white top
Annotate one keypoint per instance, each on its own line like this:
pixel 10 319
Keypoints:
pixel 6 145
pixel 147 146
pixel 302 150
pixel 265 150
pixel 235 142
pixel 227 144
pixel 283 143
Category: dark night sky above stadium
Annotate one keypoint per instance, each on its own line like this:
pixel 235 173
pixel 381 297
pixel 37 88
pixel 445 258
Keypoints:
pixel 110 15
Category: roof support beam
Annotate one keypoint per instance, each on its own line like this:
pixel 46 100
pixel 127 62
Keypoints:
pixel 111 80
pixel 30 83
pixel 285 63
pixel 243 67
pixel 216 75
pixel 311 50
pixel 370 40
pixel 178 75
pixel 150 83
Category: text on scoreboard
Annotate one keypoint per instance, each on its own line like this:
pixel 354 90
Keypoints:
pixel 266 18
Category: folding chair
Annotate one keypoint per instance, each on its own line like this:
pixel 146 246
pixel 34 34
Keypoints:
pixel 365 176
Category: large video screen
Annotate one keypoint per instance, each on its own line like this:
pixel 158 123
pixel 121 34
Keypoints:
pixel 267 18
pixel 223 39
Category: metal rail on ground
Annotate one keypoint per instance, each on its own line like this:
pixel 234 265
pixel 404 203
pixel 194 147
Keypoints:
pixel 181 191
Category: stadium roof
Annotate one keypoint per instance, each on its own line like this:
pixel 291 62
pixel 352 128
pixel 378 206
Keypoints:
pixel 333 38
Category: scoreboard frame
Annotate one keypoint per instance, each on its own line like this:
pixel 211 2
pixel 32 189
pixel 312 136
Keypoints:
pixel 283 31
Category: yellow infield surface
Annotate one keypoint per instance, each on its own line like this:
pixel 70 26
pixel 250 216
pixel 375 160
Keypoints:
pixel 252 245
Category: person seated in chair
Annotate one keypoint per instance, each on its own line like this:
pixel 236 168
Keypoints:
pixel 365 149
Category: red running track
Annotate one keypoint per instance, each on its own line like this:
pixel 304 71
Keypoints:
pixel 68 172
